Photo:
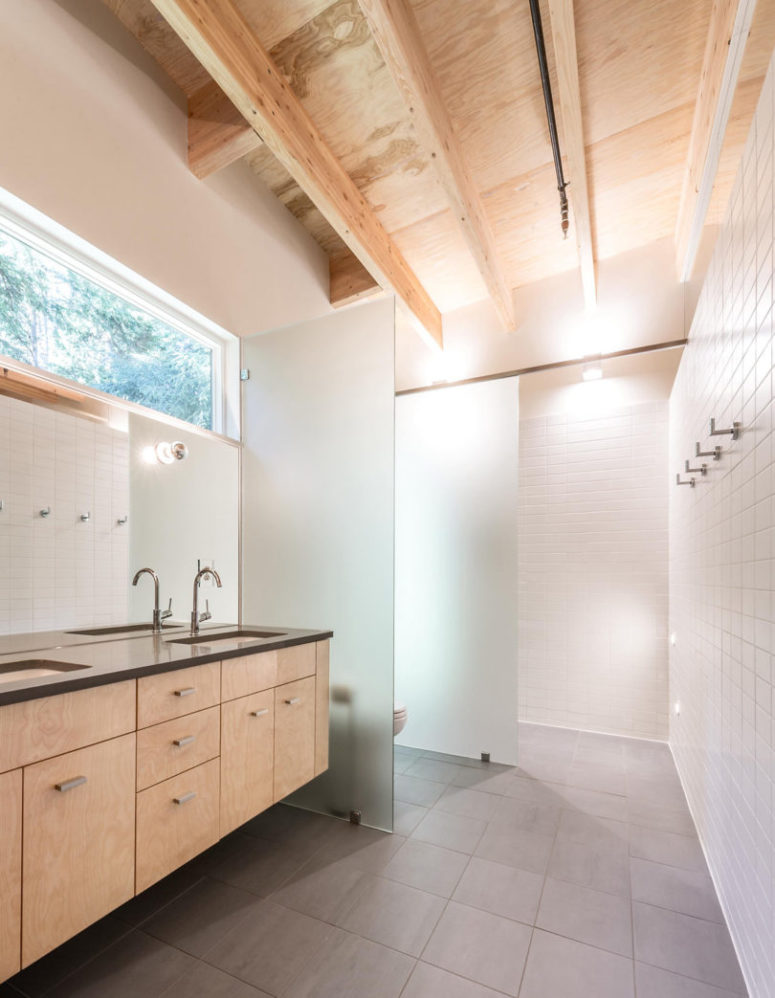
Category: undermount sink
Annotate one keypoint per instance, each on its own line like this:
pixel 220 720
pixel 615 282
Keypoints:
pixel 123 629
pixel 34 668
pixel 235 637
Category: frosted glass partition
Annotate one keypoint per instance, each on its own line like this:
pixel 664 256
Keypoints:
pixel 318 528
pixel 456 568
pixel 181 514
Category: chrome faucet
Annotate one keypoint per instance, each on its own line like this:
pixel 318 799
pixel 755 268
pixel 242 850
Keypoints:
pixel 196 616
pixel 158 615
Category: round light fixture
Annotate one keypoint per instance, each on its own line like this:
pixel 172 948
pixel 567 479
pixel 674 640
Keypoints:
pixel 168 453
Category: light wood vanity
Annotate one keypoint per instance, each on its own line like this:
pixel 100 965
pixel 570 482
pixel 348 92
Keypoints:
pixel 105 790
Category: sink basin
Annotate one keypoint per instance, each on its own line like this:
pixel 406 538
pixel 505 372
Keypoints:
pixel 237 638
pixel 123 629
pixel 34 668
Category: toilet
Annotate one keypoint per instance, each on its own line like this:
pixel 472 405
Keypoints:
pixel 399 718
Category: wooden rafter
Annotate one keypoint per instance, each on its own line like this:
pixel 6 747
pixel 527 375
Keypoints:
pixel 396 32
pixel 217 133
pixel 218 35
pixel 730 22
pixel 566 58
pixel 349 280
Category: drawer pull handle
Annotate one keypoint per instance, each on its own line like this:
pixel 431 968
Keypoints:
pixel 292 700
pixel 186 692
pixel 180 742
pixel 77 781
pixel 259 713
pixel 184 798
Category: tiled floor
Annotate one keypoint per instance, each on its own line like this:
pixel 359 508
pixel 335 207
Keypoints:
pixel 575 875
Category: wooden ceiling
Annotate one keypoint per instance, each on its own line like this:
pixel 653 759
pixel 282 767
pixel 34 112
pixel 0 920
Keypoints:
pixel 639 67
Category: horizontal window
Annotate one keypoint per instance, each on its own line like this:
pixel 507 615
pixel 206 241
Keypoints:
pixel 56 319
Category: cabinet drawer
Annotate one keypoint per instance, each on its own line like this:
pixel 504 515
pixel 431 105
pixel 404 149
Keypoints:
pixel 169 748
pixel 294 738
pixel 176 820
pixel 322 694
pixel 248 674
pixel 78 842
pixel 296 662
pixel 10 872
pixel 39 729
pixel 173 694
pixel 247 756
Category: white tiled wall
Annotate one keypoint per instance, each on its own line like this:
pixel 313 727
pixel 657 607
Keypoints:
pixel 593 570
pixel 722 604
pixel 57 571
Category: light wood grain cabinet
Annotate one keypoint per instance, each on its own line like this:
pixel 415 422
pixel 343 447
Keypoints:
pixel 172 747
pixel 173 694
pixel 294 737
pixel 10 872
pixel 176 820
pixel 247 758
pixel 78 842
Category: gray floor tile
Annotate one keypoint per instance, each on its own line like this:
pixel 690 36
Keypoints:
pixel 587 916
pixel 324 892
pixel 667 848
pixel 525 850
pixel 666 819
pixel 534 791
pixel 204 981
pixel 501 890
pixel 469 803
pixel 689 946
pixel 135 965
pixel 140 908
pixel 653 982
pixel 303 831
pixel 600 777
pixel 433 982
pixel 200 918
pixel 258 865
pixel 483 947
pixel 394 915
pixel 451 831
pixel 483 780
pixel 433 769
pixel 427 867
pixel 412 790
pixel 363 848
pixel 402 762
pixel 563 968
pixel 595 802
pixel 576 826
pixel 406 817
pixel 686 891
pixel 270 949
pixel 547 767
pixel 526 816
pixel 666 792
pixel 603 866
pixel 352 967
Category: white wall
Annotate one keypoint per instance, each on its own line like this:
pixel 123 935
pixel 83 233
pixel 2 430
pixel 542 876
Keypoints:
pixel 593 562
pixel 721 569
pixel 456 568
pixel 318 527
pixel 59 572
pixel 93 142
pixel 180 514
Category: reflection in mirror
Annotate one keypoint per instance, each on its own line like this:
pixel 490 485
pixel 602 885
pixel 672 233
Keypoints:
pixel 81 511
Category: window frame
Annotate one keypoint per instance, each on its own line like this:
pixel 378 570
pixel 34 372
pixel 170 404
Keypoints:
pixel 25 223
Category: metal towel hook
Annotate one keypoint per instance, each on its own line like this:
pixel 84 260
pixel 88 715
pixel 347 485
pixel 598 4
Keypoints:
pixel 734 430
pixel 690 482
pixel 715 453
pixel 702 470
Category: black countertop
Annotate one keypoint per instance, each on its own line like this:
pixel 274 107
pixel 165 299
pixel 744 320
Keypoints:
pixel 113 658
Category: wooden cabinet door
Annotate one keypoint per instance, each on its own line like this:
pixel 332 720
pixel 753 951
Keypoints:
pixel 247 758
pixel 294 736
pixel 78 842
pixel 10 873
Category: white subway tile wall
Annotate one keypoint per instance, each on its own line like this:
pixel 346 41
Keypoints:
pixel 722 547
pixel 58 571
pixel 593 570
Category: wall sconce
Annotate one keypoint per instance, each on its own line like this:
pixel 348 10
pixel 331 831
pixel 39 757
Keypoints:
pixel 166 453
pixel 592 371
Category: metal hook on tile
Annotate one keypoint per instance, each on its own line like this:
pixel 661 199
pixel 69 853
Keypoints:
pixel 734 430
pixel 702 470
pixel 122 520
pixel 45 512
pixel 715 453
pixel 690 482
pixel 85 517
pixel 2 505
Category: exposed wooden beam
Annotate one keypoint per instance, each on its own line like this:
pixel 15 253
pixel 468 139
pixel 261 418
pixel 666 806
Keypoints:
pixel 730 23
pixel 566 59
pixel 217 133
pixel 222 40
pixel 396 33
pixel 349 280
